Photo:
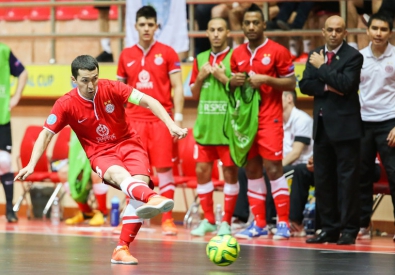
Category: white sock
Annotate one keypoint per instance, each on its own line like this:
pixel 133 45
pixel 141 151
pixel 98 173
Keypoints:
pixel 354 45
pixel 106 44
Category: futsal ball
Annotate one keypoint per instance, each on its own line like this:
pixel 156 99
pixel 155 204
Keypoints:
pixel 223 250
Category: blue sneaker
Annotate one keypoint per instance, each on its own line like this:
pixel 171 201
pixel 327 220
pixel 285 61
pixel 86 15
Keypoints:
pixel 283 232
pixel 252 231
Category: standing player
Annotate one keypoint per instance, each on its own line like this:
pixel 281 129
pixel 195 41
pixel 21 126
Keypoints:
pixel 211 71
pixel 9 65
pixel 154 68
pixel 377 100
pixel 95 112
pixel 270 69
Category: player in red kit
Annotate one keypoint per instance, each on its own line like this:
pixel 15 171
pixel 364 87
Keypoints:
pixel 95 111
pixel 154 68
pixel 270 69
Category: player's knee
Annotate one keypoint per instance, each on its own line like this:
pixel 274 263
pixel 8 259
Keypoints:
pixel 5 162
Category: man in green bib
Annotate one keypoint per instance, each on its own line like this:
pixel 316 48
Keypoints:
pixel 9 65
pixel 210 73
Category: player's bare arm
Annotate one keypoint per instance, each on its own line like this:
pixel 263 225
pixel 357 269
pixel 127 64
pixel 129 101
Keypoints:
pixel 178 97
pixel 297 149
pixel 218 71
pixel 204 72
pixel 22 80
pixel 278 83
pixel 39 147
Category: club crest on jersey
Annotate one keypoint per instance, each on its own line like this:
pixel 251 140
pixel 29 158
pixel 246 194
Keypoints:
pixel 104 133
pixel 389 69
pixel 144 82
pixel 266 59
pixel 109 106
pixel 158 59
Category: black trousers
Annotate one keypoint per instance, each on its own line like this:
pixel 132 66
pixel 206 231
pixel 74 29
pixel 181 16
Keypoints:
pixel 375 140
pixel 302 180
pixel 336 177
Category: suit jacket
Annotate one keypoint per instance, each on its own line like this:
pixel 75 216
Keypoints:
pixel 341 114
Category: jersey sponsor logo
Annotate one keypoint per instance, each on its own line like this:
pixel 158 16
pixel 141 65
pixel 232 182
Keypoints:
pixel 158 59
pixel 109 106
pixel 82 120
pixel 240 63
pixel 144 82
pixel 278 153
pixel 389 69
pixel 52 119
pixel 213 107
pixel 104 133
pixel 130 63
pixel 266 59
pixel 206 85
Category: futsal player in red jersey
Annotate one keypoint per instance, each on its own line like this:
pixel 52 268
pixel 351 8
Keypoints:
pixel 154 68
pixel 270 69
pixel 95 111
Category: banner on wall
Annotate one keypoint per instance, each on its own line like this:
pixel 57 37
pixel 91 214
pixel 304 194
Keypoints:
pixel 53 81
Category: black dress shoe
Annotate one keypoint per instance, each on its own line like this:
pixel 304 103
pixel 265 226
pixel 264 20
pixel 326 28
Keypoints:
pixel 345 239
pixel 323 237
pixel 11 217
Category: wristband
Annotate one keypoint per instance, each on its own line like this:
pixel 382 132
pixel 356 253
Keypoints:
pixel 178 117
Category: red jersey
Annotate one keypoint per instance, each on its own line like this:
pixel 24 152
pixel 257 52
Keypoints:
pixel 99 123
pixel 149 72
pixel 214 59
pixel 270 59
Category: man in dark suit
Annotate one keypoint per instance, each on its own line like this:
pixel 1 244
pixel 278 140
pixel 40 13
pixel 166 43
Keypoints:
pixel 332 76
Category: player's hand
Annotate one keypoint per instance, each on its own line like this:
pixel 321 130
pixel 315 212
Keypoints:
pixel 218 71
pixel 257 80
pixel 204 71
pixel 178 132
pixel 310 164
pixel 237 80
pixel 391 138
pixel 317 59
pixel 24 173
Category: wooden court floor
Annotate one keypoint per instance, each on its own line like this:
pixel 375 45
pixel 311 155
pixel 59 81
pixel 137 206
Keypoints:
pixel 36 247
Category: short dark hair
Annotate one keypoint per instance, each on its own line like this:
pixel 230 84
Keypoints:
pixel 147 12
pixel 255 8
pixel 83 62
pixel 219 18
pixel 382 16
pixel 294 96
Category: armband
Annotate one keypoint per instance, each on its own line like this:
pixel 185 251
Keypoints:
pixel 135 97
pixel 178 117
